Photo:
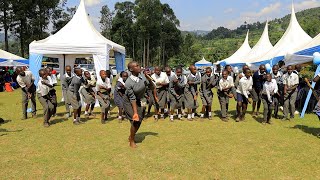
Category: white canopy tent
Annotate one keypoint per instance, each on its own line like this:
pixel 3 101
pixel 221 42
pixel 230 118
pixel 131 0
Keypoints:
pixel 294 37
pixel 239 54
pixel 4 56
pixel 12 63
pixel 203 63
pixel 263 46
pixel 77 39
pixel 304 54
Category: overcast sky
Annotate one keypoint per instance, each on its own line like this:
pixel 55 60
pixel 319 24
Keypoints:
pixel 209 14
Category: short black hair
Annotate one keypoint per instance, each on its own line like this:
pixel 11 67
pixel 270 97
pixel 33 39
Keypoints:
pixel 179 68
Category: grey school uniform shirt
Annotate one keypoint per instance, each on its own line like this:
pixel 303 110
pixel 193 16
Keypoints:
pixel 135 91
pixel 191 90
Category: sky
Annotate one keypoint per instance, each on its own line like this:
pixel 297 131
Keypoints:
pixel 210 14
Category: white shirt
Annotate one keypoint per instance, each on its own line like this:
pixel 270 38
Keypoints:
pixel 26 80
pixel 43 89
pixel 270 88
pixel 226 83
pixel 245 85
pixel 291 80
pixel 54 79
pixel 106 84
pixel 163 78
pixel 121 81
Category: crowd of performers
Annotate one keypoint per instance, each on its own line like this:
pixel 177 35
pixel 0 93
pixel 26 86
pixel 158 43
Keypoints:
pixel 172 93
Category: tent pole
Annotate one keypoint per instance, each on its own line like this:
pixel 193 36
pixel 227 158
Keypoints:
pixel 64 63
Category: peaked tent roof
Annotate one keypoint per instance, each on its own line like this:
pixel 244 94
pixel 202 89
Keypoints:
pixel 310 48
pixel 304 54
pixel 239 54
pixel 77 36
pixel 294 37
pixel 203 61
pixel 262 47
pixel 4 55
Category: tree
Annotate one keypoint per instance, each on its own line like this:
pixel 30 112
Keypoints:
pixel 6 19
pixel 106 21
pixel 123 30
pixel 148 22
pixel 171 38
pixel 62 16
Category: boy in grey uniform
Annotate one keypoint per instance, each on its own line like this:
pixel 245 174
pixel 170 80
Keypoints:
pixel 270 88
pixel 224 93
pixel 176 91
pixel 26 80
pixel 43 92
pixel 207 83
pixel 65 82
pixel 74 95
pixel 191 92
pixel 52 90
pixel 87 93
pixel 291 82
pixel 103 92
pixel 278 97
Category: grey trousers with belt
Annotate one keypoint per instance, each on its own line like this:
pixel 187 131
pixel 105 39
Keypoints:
pixel 289 103
pixel 25 100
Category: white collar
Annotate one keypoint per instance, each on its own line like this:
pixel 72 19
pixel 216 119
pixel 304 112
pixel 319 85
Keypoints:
pixel 135 78
pixel 259 73
pixel 121 81
pixel 67 75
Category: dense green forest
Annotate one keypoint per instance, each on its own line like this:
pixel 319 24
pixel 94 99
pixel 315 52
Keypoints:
pixel 148 29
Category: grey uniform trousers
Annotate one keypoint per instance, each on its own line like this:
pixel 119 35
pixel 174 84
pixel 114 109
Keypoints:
pixel 48 107
pixel 289 103
pixel 25 100
pixel 268 107
pixel 66 100
pixel 224 101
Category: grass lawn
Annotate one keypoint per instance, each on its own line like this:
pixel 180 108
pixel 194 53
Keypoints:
pixel 179 150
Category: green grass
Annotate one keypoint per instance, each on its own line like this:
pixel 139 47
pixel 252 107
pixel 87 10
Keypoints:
pixel 179 150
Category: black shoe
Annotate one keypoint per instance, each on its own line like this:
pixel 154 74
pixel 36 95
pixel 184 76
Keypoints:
pixel 103 121
pixel 24 118
pixel 76 123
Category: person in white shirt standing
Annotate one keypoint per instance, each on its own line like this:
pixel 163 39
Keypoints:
pixel 291 82
pixel 43 92
pixel 103 95
pixel 224 93
pixel 243 92
pixel 269 90
pixel 52 92
pixel 26 80
pixel 162 82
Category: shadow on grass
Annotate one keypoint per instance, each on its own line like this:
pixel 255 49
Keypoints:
pixel 232 114
pixel 140 137
pixel 57 121
pixel 5 131
pixel 310 130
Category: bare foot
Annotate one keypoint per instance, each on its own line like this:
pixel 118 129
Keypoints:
pixel 132 144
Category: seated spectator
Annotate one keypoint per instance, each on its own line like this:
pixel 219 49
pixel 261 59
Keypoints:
pixel 7 87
